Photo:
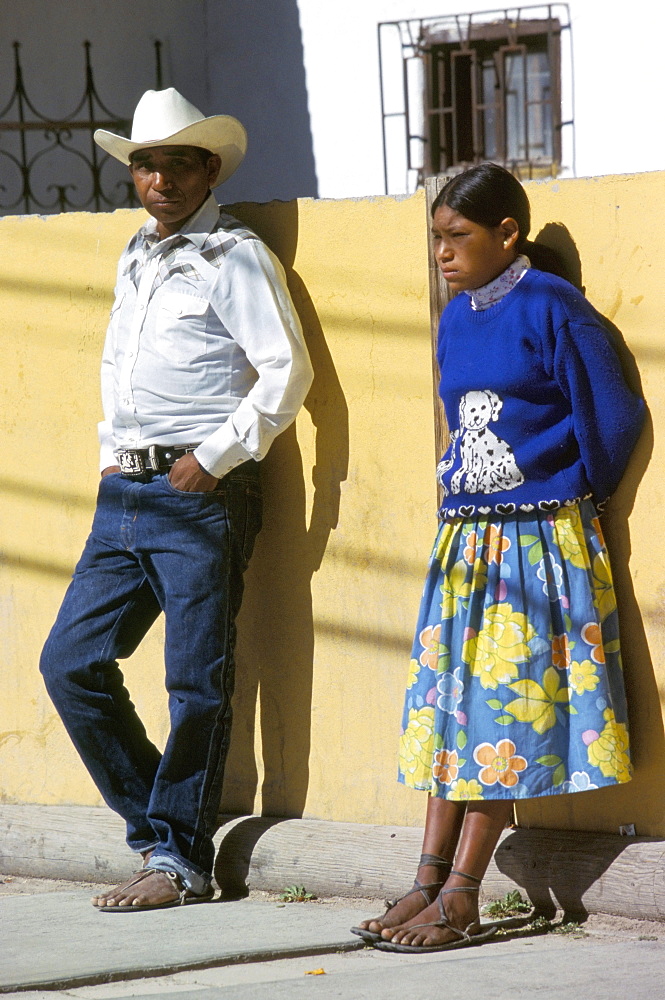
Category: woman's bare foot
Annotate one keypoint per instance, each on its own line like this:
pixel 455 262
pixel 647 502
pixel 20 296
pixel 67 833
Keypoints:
pixel 459 907
pixel 414 902
pixel 152 889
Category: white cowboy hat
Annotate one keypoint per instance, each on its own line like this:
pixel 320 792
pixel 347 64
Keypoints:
pixel 165 118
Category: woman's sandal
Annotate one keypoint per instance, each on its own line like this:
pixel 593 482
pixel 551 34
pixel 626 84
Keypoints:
pixel 425 859
pixel 464 937
pixel 185 895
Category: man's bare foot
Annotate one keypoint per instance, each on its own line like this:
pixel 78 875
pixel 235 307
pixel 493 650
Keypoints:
pixel 101 900
pixel 460 910
pixel 412 904
pixel 153 889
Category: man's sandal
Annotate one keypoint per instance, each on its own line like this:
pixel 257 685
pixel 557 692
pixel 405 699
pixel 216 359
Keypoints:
pixel 425 859
pixel 465 938
pixel 185 895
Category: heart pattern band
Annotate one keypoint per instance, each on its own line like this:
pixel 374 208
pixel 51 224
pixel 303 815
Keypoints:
pixel 506 509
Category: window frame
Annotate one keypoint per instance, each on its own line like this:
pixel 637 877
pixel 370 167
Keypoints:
pixel 441 53
pixel 404 102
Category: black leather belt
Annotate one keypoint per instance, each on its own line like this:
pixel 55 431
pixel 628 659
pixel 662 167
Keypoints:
pixel 156 458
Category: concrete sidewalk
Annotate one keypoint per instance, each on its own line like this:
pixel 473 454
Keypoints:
pixel 57 941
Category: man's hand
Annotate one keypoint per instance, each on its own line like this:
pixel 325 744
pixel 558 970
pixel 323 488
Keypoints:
pixel 187 475
pixel 110 469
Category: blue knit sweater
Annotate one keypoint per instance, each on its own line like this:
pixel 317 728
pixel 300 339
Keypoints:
pixel 539 412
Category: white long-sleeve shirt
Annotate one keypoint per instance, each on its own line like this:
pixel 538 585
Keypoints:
pixel 203 347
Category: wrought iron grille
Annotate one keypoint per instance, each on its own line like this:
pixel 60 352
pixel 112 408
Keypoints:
pixel 52 166
pixel 462 88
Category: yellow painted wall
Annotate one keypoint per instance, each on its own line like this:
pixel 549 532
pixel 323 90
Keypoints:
pixel 333 590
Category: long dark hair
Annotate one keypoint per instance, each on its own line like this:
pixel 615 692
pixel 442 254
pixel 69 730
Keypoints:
pixel 487 194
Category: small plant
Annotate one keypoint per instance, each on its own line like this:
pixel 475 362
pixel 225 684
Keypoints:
pixel 296 894
pixel 512 905
pixel 570 928
pixel 541 924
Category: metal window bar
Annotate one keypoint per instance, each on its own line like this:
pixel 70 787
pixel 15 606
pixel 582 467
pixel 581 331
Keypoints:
pixel 512 141
pixel 419 38
pixel 28 123
pixel 475 137
pixel 454 94
pixel 520 121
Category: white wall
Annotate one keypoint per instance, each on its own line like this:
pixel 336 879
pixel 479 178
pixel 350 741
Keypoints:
pixel 122 35
pixel 317 129
pixel 342 72
pixel 255 71
pixel 618 85
pixel 225 56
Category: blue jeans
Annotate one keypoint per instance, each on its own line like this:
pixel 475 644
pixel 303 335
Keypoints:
pixel 153 548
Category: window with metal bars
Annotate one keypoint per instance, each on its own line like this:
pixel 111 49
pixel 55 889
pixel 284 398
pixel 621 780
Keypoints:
pixel 51 166
pixel 457 89
pixel 493 95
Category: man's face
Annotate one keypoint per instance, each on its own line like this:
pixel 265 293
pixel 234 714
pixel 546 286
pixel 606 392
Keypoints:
pixel 172 182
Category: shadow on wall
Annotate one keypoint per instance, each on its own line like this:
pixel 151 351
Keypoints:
pixel 555 250
pixel 559 878
pixel 646 728
pixel 275 648
pixel 258 75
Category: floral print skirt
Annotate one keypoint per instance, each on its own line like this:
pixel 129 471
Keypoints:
pixel 515 686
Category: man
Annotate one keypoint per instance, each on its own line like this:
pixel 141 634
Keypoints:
pixel 204 365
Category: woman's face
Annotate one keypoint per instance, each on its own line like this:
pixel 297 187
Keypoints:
pixel 470 255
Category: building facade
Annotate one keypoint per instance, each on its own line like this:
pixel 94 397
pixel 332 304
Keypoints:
pixel 344 101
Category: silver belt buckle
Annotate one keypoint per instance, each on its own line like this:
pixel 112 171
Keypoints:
pixel 131 463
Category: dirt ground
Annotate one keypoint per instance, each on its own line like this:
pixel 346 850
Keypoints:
pixel 596 925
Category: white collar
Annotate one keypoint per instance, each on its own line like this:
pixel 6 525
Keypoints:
pixel 491 293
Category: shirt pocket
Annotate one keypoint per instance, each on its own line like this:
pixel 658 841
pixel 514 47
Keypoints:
pixel 181 327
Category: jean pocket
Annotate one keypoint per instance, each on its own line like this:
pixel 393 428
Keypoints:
pixel 105 482
pixel 192 493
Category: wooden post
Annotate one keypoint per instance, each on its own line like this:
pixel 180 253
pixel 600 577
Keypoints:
pixel 439 297
pixel 596 872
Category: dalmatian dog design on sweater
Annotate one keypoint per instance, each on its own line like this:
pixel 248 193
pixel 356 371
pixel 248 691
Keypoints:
pixel 487 461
